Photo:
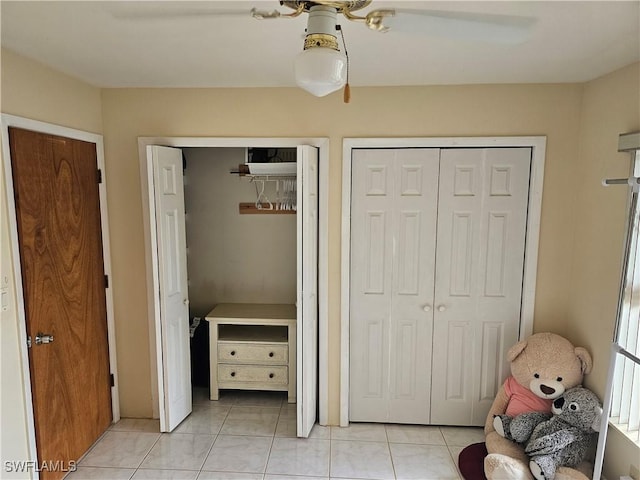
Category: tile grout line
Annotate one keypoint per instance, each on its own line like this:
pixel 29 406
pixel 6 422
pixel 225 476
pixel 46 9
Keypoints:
pixel 98 440
pixel 146 455
pixel 330 449
pixel 206 457
pixel 393 466
pixel 233 404
pixel 266 464
pixel 214 442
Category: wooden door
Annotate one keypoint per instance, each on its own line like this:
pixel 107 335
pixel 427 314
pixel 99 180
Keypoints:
pixel 482 219
pixel 173 330
pixel 307 285
pixel 60 240
pixel 393 215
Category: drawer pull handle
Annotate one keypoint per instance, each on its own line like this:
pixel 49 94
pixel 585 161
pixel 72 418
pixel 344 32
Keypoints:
pixel 271 354
pixel 233 352
pixel 233 374
pixel 271 375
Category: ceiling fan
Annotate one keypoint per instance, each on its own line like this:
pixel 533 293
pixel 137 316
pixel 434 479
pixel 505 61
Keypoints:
pixel 321 68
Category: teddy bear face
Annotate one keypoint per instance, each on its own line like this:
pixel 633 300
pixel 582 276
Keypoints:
pixel 548 364
pixel 580 408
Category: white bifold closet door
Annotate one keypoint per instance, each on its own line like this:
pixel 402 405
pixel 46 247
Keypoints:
pixel 393 220
pixel 437 259
pixel 482 219
pixel 307 298
pixel 172 331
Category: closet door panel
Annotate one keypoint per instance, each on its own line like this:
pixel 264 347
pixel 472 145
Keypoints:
pixel 370 284
pixel 303 373
pixel 415 213
pixel 459 204
pixel 482 205
pixel 392 260
pixel 491 360
pixel 172 331
pixel 458 339
pixel 375 245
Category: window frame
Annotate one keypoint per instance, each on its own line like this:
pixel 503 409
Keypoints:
pixel 627 143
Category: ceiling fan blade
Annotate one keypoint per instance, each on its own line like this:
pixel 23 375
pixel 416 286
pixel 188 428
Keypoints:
pixel 170 11
pixel 265 14
pixel 505 29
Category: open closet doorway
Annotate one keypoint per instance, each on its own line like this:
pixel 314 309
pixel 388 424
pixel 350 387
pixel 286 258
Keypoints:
pixel 233 283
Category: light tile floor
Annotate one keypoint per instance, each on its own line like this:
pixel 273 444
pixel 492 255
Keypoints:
pixel 251 435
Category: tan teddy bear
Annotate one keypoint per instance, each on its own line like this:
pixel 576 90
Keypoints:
pixel 542 367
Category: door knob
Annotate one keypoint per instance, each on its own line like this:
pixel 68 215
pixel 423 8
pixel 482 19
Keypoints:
pixel 43 338
pixel 185 301
pixel 441 308
pixel 427 308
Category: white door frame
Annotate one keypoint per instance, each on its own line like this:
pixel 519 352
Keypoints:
pixel 151 257
pixel 538 146
pixel 52 129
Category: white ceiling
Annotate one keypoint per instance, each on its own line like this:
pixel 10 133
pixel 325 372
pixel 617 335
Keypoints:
pixel 214 44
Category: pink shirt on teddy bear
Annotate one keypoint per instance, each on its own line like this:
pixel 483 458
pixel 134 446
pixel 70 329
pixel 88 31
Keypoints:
pixel 523 400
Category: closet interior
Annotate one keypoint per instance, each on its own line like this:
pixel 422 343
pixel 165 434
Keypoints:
pixel 241 209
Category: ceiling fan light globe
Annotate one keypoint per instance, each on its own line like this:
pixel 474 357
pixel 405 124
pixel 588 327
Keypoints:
pixel 320 71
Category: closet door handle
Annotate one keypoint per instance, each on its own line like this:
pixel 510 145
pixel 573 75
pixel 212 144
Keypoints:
pixel 442 308
pixel 427 308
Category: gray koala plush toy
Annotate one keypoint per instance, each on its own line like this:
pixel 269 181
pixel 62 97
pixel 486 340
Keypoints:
pixel 563 439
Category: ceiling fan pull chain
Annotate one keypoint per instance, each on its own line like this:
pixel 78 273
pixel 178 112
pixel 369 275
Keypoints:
pixel 347 89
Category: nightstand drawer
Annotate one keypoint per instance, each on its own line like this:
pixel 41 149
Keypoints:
pixel 270 375
pixel 277 354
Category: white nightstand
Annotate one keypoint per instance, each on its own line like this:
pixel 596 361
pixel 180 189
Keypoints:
pixel 252 346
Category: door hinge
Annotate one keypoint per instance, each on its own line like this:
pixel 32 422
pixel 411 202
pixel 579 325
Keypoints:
pixel 28 341
pixel 106 281
pixel 99 176
pixel 112 380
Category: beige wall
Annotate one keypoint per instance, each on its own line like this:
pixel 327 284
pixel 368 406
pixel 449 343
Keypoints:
pixel 34 91
pixel 552 110
pixel 581 226
pixel 30 90
pixel 610 106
